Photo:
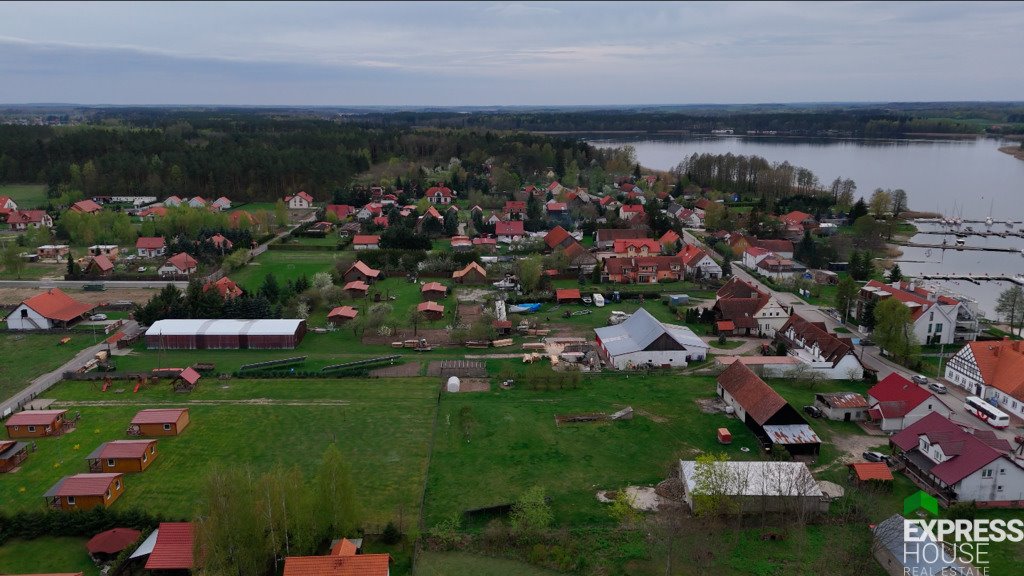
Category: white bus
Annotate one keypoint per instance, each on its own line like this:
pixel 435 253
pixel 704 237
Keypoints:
pixel 986 412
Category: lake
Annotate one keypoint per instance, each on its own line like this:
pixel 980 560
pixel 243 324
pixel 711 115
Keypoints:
pixel 972 174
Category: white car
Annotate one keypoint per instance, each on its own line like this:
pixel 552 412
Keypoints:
pixel 142 269
pixel 98 317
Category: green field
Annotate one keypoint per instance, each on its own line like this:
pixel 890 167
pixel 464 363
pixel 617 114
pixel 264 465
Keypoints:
pixel 30 355
pixel 27 196
pixel 46 555
pixel 36 270
pixel 461 564
pixel 381 425
pixel 284 265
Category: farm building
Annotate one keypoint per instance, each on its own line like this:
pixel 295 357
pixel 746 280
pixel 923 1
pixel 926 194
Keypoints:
pixel 172 549
pixel 755 487
pixel 473 273
pixel 357 288
pixel 85 491
pixel 847 406
pixel 433 291
pixel 431 310
pixel 159 422
pixel 644 341
pixel 201 334
pixel 46 311
pixel 12 454
pixel 360 272
pixel 123 456
pixel 563 295
pixel 765 412
pixel 342 314
pixel 366 242
pixel 36 424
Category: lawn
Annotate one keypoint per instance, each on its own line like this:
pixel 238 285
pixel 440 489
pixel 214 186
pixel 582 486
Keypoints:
pixel 30 355
pixel 383 426
pixel 690 288
pixel 26 196
pixel 284 265
pixel 46 555
pixel 328 241
pixel 36 270
pixel 462 564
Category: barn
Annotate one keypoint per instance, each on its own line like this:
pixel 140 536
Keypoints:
pixel 644 341
pixel 159 422
pixel 46 311
pixel 200 334
pixel 123 456
pixel 35 424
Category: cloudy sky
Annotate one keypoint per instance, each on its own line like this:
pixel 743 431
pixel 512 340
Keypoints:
pixel 521 53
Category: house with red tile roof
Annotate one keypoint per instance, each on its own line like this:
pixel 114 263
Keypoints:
pixel 342 314
pixel 8 203
pixel 895 403
pixel 699 264
pixel 637 247
pixel 813 345
pixel 381 221
pixel 173 550
pixel 36 423
pixel 749 310
pixel 630 211
pixel 226 287
pixel 433 291
pixel 172 202
pixel 604 238
pixel 47 310
pixel 99 266
pixel 993 370
pixel 122 456
pixel 753 255
pixel 556 208
pixel 197 202
pixel 670 238
pixel 222 203
pixel 643 269
pixel 25 219
pixel 181 264
pixel 516 209
pixel 473 273
pixel 345 564
pixel 299 201
pixel 356 288
pixel 366 242
pixel 958 463
pixel 783 248
pixel 220 242
pixel 160 422
pixel 341 211
pixel 563 295
pixel 154 212
pixel 798 219
pixel 937 319
pixel 461 244
pixel 557 238
pixel 431 310
pixel 86 207
pixel 360 271
pixel 85 491
pixel 440 194
pixel 151 246
pixel 510 231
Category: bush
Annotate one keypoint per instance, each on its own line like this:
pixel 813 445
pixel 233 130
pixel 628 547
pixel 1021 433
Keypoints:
pixel 391 534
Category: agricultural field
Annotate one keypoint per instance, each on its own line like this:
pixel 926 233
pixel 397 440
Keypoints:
pixel 27 196
pixel 30 355
pixel 383 427
pixel 46 555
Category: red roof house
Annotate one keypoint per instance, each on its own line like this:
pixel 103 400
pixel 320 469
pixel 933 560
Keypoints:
pixel 86 207
pixel 896 403
pixel 637 247
pixel 510 230
pixel 151 246
pixel 342 314
pixel 366 242
pixel 439 194
pixel 181 264
pixel 47 310
pixel 432 310
pixel 338 565
pixel 85 491
pixel 362 272
pixel 112 542
pixel 341 211
pixel 160 421
pixel 433 291
pixel 173 548
pixel 35 423
pixel 567 295
pixel 226 287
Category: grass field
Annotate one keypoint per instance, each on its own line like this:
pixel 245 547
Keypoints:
pixel 36 270
pixel 284 265
pixel 27 196
pixel 690 288
pixel 462 564
pixel 29 355
pixel 382 426
pixel 46 555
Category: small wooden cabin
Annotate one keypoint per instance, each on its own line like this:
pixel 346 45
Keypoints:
pixel 85 491
pixel 159 422
pixel 12 454
pixel 434 291
pixel 122 456
pixel 36 424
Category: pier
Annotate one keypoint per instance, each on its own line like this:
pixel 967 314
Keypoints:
pixel 955 247
pixel 982 233
pixel 974 278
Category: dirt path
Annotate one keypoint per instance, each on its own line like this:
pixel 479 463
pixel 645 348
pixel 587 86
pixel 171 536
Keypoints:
pixel 852 449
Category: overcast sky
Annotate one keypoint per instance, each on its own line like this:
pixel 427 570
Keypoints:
pixel 518 53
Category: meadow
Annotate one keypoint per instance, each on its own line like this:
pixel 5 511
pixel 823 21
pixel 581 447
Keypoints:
pixel 30 355
pixel 26 196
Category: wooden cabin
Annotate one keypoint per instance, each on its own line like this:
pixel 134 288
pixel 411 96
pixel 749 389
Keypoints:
pixel 434 291
pixel 431 310
pixel 122 456
pixel 85 491
pixel 473 273
pixel 12 454
pixel 36 424
pixel 159 422
pixel 341 315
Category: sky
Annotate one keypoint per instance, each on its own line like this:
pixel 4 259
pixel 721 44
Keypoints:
pixel 509 53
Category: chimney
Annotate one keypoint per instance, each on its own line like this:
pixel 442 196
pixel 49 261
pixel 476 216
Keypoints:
pixel 896 284
pixel 912 286
pixel 1016 345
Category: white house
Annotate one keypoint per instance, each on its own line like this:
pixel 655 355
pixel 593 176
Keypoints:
pixel 895 403
pixel 151 246
pixel 644 341
pixel 7 203
pixel 197 202
pixel 47 310
pixel 511 231
pixel 181 264
pixel 993 371
pixel 698 264
pixel 25 219
pixel 299 201
pixel 172 202
pixel 832 357
pixel 753 255
pixel 938 319
pixel 440 194
pixel 958 464
pixel 222 203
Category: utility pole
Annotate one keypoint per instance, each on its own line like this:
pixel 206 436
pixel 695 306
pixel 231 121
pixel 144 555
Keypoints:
pixel 942 349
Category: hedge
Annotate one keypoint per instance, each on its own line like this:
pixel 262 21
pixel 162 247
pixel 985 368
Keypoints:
pixel 30 525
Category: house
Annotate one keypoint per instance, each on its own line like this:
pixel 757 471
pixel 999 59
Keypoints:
pixel 605 238
pixel 154 212
pixel 85 491
pixel 511 231
pixel 207 334
pixel 473 273
pixel 516 209
pixel 637 247
pixel 563 295
pixel 555 188
pixel 846 406
pixel 698 264
pixel 895 403
pixel 197 202
pixel 341 315
pixel 433 291
pixel 701 206
pixel 36 424
pixel 341 562
pixel 779 269
pixel 557 209
pixel 12 454
pixel 366 242
pixel 782 248
pixel 938 319
pixel 440 194
pixel 340 211
pixel 958 463
pixel 868 472
pixel 111 251
pixel 8 203
pixel 181 264
pixel 222 203
pixel 173 549
pixel 758 487
pixel 992 370
pixel 629 211
pixel 172 202
pixel 159 422
pixel 356 288
pixel 362 272
pixel 671 240
pixel 609 203
pixel 642 340
pixel 557 238
pixel 25 219
pixel 122 456
pixel 430 310
pixel 580 258
pixel 370 211
pixel 485 245
pixel 765 412
pixel 461 244
pixel 643 269
pixel 46 311
pixel 150 246
pixel 299 201
pixel 750 309
pixel 99 266
pixel 86 207
pixel 752 256
pixel 55 252
pixel 832 357
pixel 220 242
pixel 225 286
pixel 902 548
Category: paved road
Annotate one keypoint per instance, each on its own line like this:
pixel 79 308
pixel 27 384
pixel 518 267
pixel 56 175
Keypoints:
pixel 81 283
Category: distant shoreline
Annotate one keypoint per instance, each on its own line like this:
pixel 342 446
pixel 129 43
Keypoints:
pixel 1014 151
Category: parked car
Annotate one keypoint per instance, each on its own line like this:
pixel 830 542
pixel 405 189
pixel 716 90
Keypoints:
pixel 876 457
pixel 98 317
pixel 814 411
pixel 937 388
pixel 588 300
pixel 918 379
pixel 867 342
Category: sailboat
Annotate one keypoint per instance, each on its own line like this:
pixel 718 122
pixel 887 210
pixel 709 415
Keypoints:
pixel 988 220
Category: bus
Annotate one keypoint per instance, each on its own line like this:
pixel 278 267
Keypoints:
pixel 986 412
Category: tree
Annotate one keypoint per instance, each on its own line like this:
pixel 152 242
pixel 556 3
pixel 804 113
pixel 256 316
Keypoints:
pixel 713 486
pixel 899 202
pixel 895 274
pixel 337 494
pixel 1010 306
pixel 529 273
pixel 846 294
pixel 880 203
pixel 280 214
pixel 531 514
pixel 726 268
pixel 867 314
pixel 859 209
pixel 714 216
pixel 270 289
pixel 13 262
pixel 894 330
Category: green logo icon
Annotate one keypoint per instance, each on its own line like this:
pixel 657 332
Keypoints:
pixel 921 500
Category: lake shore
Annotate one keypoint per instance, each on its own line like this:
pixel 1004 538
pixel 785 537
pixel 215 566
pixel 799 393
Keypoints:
pixel 1014 151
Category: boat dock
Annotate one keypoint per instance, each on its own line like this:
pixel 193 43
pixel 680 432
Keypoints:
pixel 983 234
pixel 956 247
pixel 974 278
